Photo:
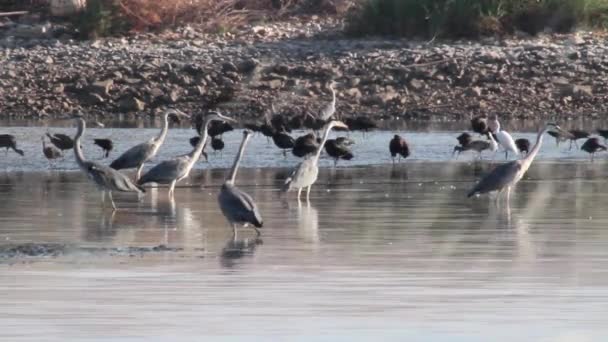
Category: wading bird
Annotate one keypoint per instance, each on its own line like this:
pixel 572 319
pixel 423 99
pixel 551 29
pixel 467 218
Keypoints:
pixel 106 179
pixel 329 109
pixel 504 139
pixel 283 141
pixel 573 135
pixel 576 135
pixel 339 149
pixel 398 147
pixel 523 145
pixel 8 141
pixel 306 173
pixel 138 155
pixel 236 205
pixel 106 146
pixel 50 152
pixel 217 144
pixel 505 176
pixel 592 145
pixel 603 133
pixel 478 146
pixel 361 123
pixel 464 139
pixel 62 141
pixel 174 170
pixel 305 145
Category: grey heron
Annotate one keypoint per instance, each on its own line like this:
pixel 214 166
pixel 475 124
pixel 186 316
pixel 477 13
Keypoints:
pixel 398 146
pixel 505 176
pixel 50 152
pixel 592 145
pixel 305 174
pixel 173 170
pixel 236 205
pixel 106 178
pixel 138 155
pixel 9 141
pixel 504 139
pixel 329 109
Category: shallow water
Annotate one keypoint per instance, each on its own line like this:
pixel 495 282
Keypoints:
pixel 381 253
pixel 369 149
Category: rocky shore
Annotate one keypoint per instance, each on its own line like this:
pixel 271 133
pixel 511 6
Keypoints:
pixel 44 73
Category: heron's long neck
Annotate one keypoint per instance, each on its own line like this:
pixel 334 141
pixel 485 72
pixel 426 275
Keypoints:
pixel 163 131
pixel 198 149
pixel 235 166
pixel 534 151
pixel 77 149
pixel 333 97
pixel 322 144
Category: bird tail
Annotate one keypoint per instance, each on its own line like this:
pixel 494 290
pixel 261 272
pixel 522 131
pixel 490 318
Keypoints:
pixel 287 186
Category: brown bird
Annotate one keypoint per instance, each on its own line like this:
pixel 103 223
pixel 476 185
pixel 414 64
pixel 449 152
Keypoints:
pixel 398 146
pixel 592 145
pixel 9 141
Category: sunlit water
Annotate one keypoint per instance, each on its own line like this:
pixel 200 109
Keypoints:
pixel 381 253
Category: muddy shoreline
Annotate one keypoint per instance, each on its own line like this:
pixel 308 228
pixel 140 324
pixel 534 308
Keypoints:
pixel 124 79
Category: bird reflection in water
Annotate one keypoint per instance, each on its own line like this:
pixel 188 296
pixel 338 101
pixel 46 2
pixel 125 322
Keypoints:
pixel 237 248
pixel 398 172
pixel 103 229
pixel 308 224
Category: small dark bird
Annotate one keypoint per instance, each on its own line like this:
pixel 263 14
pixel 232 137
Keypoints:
pixel 106 145
pixel 8 141
pixel 305 145
pixel 603 133
pixel 280 123
pixel 314 123
pixel 217 144
pixel 283 141
pixel 361 123
pixel 577 134
pixel 338 149
pixel 398 146
pixel 267 130
pixel 479 124
pixel 253 127
pixel 592 145
pixel 217 128
pixel 50 152
pixel 296 121
pixel 464 139
pixel 62 141
pixel 523 145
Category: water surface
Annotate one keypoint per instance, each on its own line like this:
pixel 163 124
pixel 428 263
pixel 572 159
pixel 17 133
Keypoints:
pixel 381 253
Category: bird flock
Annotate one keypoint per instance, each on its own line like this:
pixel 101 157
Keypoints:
pixel 238 207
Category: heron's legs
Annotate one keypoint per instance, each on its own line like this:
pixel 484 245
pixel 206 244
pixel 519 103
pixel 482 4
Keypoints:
pixel 234 231
pixel 508 195
pixel 139 168
pixel 103 199
pixel 308 193
pixel 257 231
pixel 112 200
pixel 172 188
pixel 299 192
pixel 506 154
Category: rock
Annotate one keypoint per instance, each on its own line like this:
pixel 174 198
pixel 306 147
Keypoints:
pixel 474 92
pixel 416 84
pixel 353 93
pixel 30 31
pixel 131 103
pixel 92 99
pixel 59 88
pixel 247 66
pixel 271 84
pixel 229 67
pixel 173 96
pixel 101 88
pixel 577 91
pixel 49 60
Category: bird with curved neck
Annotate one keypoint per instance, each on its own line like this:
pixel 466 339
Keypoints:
pixel 306 173
pixel 106 178
pixel 173 170
pixel 138 155
pixel 502 137
pixel 236 205
pixel 328 111
pixel 505 176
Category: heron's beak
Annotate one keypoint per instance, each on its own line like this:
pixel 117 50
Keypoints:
pixel 225 118
pixel 180 113
pixel 98 124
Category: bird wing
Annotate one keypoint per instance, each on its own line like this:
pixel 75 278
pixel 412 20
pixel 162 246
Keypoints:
pixel 111 179
pixel 238 206
pixel 303 175
pixel 134 156
pixel 499 178
pixel 166 171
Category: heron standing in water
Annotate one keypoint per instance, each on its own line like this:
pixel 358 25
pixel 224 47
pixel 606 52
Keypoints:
pixel 106 178
pixel 306 173
pixel 236 205
pixel 138 155
pixel 174 170
pixel 505 176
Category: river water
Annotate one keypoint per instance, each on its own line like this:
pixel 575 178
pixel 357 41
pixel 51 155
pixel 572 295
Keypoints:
pixel 381 252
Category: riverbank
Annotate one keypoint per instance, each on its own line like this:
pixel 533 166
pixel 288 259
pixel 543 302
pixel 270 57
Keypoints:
pixel 290 64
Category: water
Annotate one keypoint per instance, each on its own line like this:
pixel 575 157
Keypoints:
pixel 369 150
pixel 382 253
